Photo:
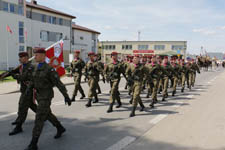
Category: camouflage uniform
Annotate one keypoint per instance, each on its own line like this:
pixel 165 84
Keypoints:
pixel 135 74
pixel 184 71
pixel 113 72
pixel 23 76
pixel 155 73
pixel 92 70
pixel 44 78
pixel 165 79
pixel 76 66
pixel 195 69
pixel 175 77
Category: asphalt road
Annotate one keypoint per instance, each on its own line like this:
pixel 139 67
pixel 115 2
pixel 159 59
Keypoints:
pixel 187 121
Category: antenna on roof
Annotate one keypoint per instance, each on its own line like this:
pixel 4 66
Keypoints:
pixel 139 35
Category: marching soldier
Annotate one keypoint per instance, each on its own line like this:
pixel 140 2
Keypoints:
pixel 44 78
pixel 165 80
pixel 195 68
pixel 76 66
pixel 92 70
pixel 101 65
pixel 184 71
pixel 23 75
pixel 155 72
pixel 175 77
pixel 113 72
pixel 135 73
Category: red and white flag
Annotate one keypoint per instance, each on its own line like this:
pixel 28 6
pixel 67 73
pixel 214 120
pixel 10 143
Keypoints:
pixel 54 57
pixel 9 29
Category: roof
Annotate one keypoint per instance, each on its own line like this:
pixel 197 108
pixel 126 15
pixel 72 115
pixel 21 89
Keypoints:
pixel 75 26
pixel 139 41
pixel 41 7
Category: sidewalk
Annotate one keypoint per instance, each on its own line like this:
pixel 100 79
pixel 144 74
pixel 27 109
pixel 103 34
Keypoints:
pixel 13 87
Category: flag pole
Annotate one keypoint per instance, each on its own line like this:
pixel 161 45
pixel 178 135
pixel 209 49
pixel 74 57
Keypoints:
pixel 7 52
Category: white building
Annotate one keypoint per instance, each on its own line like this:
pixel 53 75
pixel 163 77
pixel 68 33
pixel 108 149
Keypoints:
pixel 35 25
pixel 85 40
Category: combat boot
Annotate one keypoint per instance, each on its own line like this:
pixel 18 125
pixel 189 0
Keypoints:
pixel 16 130
pixel 119 103
pixel 182 90
pixel 110 108
pixel 83 96
pixel 152 104
pixel 148 94
pixel 33 144
pixel 89 103
pixel 132 114
pixel 96 99
pixel 163 99
pixel 174 92
pixel 131 100
pixel 142 106
pixel 60 131
pixel 73 99
pixel 14 123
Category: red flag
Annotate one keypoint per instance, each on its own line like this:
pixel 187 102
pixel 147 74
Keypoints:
pixel 54 57
pixel 9 29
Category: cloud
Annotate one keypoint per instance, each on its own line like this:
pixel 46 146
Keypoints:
pixel 205 31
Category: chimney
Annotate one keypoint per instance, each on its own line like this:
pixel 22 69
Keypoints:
pixel 34 2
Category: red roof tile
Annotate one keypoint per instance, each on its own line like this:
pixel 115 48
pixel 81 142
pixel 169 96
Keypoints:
pixel 37 6
pixel 74 26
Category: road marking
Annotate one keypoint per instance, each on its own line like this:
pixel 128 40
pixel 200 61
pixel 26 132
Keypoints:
pixel 8 115
pixel 158 119
pixel 209 82
pixel 190 96
pixel 122 143
pixel 199 89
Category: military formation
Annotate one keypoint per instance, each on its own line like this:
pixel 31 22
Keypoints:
pixel 155 74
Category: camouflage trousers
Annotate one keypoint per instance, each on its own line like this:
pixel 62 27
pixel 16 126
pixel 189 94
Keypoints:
pixel 165 83
pixel 92 83
pixel 137 88
pixel 183 79
pixel 43 113
pixel 155 89
pixel 25 102
pixel 114 92
pixel 175 81
pixel 77 81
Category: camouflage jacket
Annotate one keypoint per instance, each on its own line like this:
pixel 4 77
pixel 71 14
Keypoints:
pixel 113 71
pixel 24 75
pixel 156 70
pixel 93 69
pixel 43 81
pixel 136 72
pixel 76 67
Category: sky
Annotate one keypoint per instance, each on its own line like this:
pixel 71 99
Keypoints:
pixel 199 22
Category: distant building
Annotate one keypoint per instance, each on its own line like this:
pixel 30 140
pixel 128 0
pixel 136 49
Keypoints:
pixel 125 48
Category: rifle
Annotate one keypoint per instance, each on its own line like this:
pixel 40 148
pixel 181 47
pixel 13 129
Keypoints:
pixel 9 73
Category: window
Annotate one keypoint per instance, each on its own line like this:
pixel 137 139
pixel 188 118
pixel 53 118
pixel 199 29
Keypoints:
pixel 43 18
pixel 44 36
pixel 53 20
pixel 126 47
pixel 143 47
pixel 21 48
pixel 21 32
pixel 5 6
pixel 107 47
pixel 60 21
pixel 159 47
pixel 49 19
pixel 20 10
pixel 59 36
pixel 177 47
pixel 81 38
pixel 12 8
